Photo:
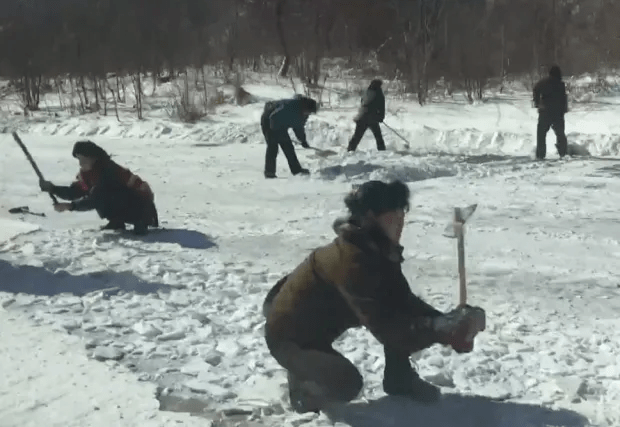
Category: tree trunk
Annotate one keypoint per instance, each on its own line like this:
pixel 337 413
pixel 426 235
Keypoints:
pixel 286 63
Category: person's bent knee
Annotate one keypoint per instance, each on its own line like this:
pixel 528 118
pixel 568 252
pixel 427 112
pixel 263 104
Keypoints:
pixel 355 387
pixel 349 387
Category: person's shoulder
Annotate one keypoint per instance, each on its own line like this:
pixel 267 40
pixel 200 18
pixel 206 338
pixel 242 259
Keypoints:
pixel 111 165
pixel 542 82
pixel 286 103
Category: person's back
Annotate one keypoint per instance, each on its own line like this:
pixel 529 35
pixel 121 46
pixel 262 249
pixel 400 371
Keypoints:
pixel 550 95
pixel 285 114
pixel 552 103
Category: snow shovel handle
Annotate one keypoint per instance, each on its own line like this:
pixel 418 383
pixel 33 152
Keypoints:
pixel 32 162
pixel 407 143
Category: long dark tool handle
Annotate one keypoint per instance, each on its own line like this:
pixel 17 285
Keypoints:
pixel 397 134
pixel 32 162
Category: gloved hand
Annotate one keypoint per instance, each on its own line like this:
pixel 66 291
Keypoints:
pixel 459 327
pixel 46 186
pixel 305 144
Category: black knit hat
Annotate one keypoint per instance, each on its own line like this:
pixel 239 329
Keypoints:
pixel 307 104
pixel 556 72
pixel 89 149
pixel 378 197
pixel 375 84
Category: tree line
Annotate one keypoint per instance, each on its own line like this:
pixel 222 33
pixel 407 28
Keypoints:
pixel 465 43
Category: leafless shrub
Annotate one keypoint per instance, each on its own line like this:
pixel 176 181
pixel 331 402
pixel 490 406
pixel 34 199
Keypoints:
pixel 188 106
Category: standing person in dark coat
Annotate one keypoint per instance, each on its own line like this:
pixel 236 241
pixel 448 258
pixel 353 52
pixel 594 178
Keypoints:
pixel 354 281
pixel 370 114
pixel 112 190
pixel 552 103
pixel 277 118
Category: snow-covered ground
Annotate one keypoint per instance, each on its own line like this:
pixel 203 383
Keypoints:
pixel 180 308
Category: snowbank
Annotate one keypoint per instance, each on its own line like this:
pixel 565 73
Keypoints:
pixel 502 124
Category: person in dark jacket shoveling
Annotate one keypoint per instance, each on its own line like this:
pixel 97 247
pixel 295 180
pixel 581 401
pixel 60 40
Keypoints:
pixel 277 118
pixel 112 190
pixel 370 114
pixel 357 280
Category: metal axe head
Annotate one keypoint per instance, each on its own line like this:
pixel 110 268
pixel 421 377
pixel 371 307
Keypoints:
pixel 461 215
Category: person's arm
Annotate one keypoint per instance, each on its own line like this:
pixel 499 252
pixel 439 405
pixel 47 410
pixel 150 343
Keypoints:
pixel 381 107
pixel 86 203
pixel 66 192
pixel 564 98
pixel 369 98
pixel 536 95
pixel 300 133
pixel 369 297
pixel 418 305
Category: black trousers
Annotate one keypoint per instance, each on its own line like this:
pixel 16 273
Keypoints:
pixel 360 129
pixel 338 379
pixel 122 204
pixel 274 140
pixel 548 121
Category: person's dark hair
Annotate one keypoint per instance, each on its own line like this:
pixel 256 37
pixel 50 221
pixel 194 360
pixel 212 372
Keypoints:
pixel 555 72
pixel 89 149
pixel 307 104
pixel 378 197
pixel 375 84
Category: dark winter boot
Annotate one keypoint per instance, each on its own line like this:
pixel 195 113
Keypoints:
pixel 114 225
pixel 400 379
pixel 414 388
pixel 562 150
pixel 270 175
pixel 140 228
pixel 302 171
pixel 301 397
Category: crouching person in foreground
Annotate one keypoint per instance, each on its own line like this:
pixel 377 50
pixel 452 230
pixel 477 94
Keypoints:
pixel 112 190
pixel 357 281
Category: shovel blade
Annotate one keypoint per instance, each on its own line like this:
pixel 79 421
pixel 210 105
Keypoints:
pixel 21 209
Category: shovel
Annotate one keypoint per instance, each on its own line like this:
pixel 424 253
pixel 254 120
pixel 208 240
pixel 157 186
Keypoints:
pixel 24 210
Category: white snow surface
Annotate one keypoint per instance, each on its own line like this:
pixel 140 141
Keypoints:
pixel 180 309
pixel 47 380
pixel 9 228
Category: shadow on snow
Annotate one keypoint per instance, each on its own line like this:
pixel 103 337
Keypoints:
pixel 453 411
pixel 40 281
